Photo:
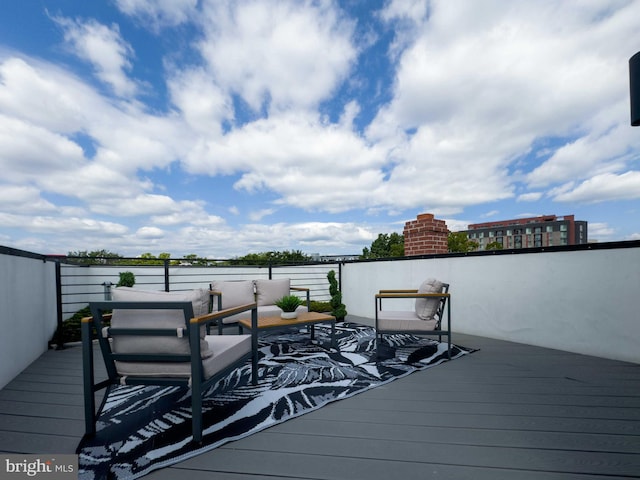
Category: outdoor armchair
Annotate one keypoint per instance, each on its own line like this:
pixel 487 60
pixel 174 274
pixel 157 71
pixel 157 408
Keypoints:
pixel 162 342
pixel 432 306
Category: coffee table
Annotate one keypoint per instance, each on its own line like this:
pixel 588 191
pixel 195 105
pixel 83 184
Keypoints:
pixel 304 318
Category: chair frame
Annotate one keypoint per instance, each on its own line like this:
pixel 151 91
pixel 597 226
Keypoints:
pixel 444 305
pixel 196 380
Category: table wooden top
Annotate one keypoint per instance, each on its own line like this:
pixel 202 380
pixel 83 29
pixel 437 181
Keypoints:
pixel 303 318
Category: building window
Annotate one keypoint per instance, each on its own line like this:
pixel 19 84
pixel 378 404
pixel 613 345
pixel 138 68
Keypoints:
pixel 517 242
pixel 537 240
pixel 563 227
pixel 508 233
pixel 537 230
pixel 528 231
pixel 549 228
pixel 491 233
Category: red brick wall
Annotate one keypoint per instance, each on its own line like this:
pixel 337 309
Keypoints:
pixel 425 236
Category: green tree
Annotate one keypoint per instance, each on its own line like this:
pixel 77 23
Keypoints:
pixel 148 258
pixel 385 246
pixel 494 246
pixel 272 258
pixel 96 257
pixel 460 242
pixel 194 260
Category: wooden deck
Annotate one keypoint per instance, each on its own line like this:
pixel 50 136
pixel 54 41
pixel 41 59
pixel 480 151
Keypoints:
pixel 508 411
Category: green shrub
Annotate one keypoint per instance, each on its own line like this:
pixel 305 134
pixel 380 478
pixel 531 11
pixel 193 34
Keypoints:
pixel 71 328
pixel 321 307
pixel 338 308
pixel 127 279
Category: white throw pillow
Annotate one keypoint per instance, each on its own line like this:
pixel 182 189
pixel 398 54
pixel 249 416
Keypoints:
pixel 233 293
pixel 271 290
pixel 157 318
pixel 426 308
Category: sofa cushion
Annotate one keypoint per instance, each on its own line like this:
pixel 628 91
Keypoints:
pixel 234 293
pixel 426 308
pixel 269 291
pixel 124 318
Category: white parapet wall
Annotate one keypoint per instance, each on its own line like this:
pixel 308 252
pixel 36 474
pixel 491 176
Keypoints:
pixel 28 312
pixel 582 301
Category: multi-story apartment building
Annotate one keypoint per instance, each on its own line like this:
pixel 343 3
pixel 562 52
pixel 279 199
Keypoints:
pixel 543 231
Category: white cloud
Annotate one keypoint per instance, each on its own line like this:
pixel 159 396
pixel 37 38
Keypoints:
pixel 604 187
pixel 480 85
pixel 277 55
pixel 139 205
pixel 104 48
pixel 160 13
pixel 57 224
pixel 530 197
pixel 40 93
pixel 258 215
pixel 150 232
pixel 487 101
pixel 23 200
pixel 30 152
pixel 296 155
pixel 600 231
pixel 203 103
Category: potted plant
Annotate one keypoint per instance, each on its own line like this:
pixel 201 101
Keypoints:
pixel 289 304
pixel 338 308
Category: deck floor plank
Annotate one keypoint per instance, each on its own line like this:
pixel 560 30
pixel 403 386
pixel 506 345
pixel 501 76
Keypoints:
pixel 508 411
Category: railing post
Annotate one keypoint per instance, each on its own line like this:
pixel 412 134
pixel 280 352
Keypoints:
pixel 166 274
pixel 270 270
pixel 60 333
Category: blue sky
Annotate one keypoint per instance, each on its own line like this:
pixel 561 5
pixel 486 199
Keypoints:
pixel 221 128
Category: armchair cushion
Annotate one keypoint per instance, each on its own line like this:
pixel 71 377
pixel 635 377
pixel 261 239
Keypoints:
pixel 271 290
pixel 234 293
pixel 226 349
pixel 123 318
pixel 399 321
pixel 426 308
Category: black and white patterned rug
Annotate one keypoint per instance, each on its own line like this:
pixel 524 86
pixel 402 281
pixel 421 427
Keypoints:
pixel 142 429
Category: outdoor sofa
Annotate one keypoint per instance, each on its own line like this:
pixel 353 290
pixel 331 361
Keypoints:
pixel 264 292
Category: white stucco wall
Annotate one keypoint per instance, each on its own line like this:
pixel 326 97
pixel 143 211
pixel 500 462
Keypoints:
pixel 28 312
pixel 578 301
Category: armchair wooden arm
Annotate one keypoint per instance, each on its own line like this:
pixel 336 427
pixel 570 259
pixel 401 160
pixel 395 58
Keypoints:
pixel 303 289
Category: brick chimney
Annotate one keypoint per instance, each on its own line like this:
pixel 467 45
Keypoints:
pixel 425 236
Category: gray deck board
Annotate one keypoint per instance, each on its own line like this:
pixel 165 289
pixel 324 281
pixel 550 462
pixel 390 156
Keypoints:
pixel 508 411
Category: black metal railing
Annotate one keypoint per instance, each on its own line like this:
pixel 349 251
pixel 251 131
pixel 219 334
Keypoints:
pixel 80 283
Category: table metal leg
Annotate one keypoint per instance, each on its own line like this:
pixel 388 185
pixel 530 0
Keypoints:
pixel 333 336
